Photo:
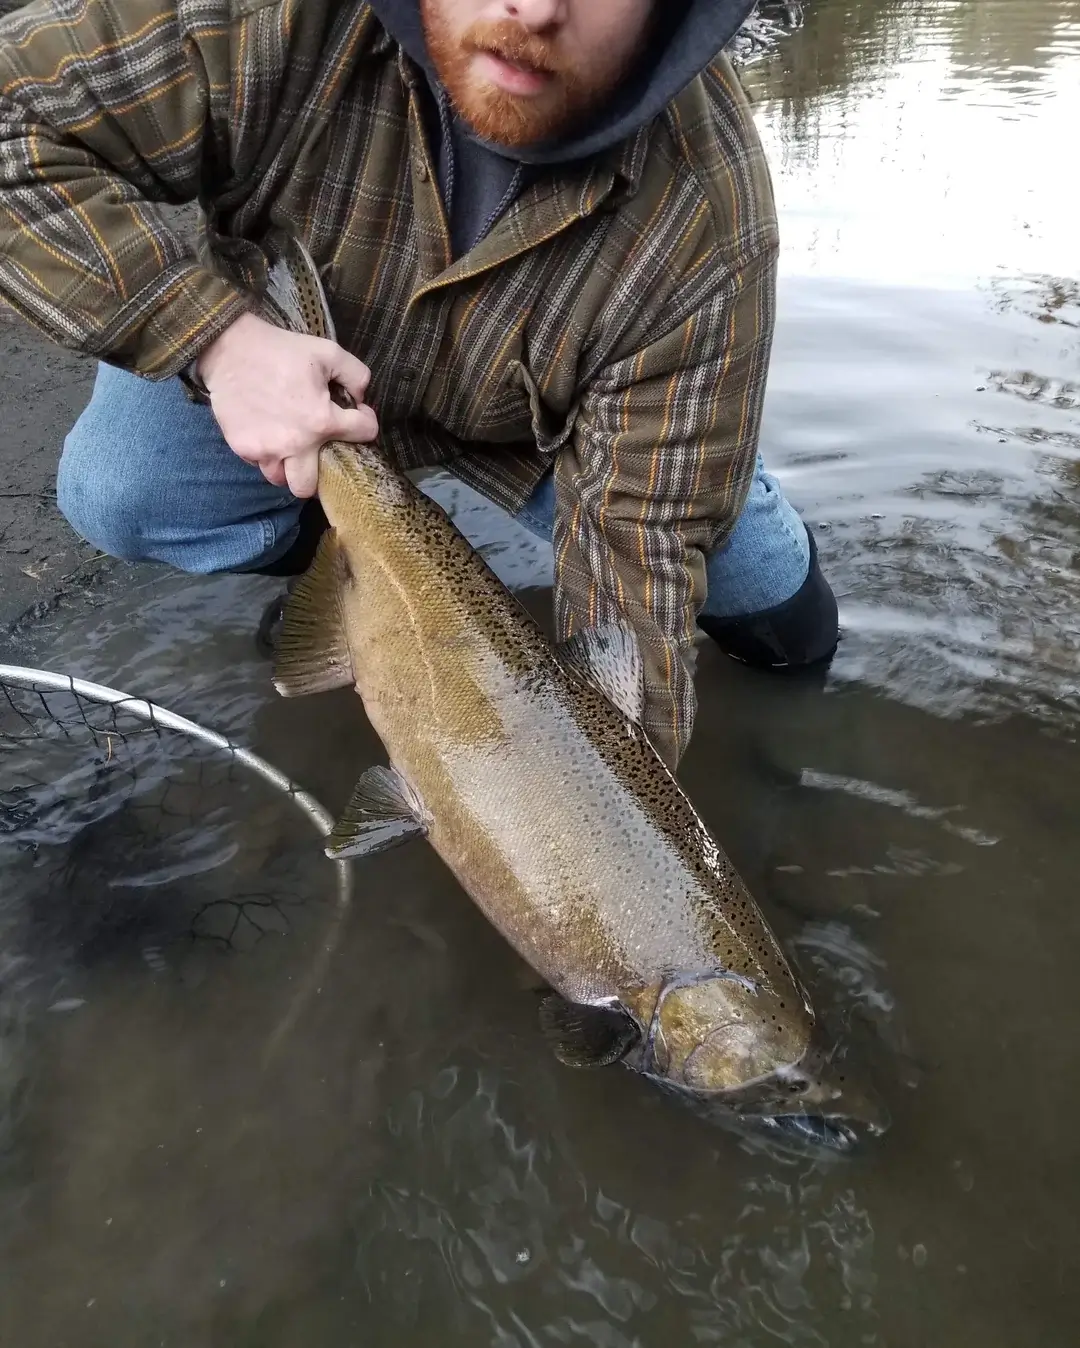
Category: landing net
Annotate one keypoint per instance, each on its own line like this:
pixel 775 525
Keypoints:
pixel 75 753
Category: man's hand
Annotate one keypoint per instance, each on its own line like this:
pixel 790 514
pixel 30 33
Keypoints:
pixel 269 390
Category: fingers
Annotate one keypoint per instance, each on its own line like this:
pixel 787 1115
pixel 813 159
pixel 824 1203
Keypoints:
pixel 299 475
pixel 356 425
pixel 352 374
pixel 274 471
pixel 302 475
pixel 272 394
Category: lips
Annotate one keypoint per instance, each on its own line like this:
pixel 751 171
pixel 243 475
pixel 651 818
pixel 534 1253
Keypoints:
pixel 512 73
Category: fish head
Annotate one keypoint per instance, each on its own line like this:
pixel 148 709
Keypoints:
pixel 813 1103
pixel 753 1054
pixel 718 1032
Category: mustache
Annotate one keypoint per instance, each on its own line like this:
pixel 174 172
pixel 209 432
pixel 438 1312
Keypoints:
pixel 513 43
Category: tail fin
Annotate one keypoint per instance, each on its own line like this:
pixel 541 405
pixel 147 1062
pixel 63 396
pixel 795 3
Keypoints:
pixel 294 294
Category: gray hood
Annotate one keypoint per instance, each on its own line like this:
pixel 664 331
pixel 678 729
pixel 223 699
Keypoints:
pixel 688 35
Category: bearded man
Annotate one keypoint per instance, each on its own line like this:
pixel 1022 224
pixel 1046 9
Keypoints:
pixel 548 237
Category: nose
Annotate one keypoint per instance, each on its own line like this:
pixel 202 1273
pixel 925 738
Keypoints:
pixel 536 15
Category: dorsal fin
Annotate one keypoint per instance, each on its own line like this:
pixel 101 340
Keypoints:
pixel 609 658
pixel 295 290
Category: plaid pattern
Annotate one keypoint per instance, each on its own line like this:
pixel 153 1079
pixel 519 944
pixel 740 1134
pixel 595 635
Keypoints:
pixel 616 322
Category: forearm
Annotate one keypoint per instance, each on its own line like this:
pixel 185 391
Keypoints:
pixel 662 458
pixel 99 126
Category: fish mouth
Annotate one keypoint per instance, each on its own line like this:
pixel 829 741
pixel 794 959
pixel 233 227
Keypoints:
pixel 815 1132
pixel 810 1133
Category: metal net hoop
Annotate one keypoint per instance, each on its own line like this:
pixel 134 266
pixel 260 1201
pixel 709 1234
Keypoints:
pixel 40 709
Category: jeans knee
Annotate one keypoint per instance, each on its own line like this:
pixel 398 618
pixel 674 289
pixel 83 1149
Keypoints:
pixel 98 499
pixel 767 557
pixel 147 476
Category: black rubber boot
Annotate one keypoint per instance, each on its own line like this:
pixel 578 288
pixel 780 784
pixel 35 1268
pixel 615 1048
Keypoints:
pixel 800 633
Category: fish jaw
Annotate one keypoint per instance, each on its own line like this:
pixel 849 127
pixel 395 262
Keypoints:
pixel 816 1091
pixel 752 1059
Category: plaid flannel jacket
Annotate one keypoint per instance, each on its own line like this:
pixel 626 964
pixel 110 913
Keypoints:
pixel 615 323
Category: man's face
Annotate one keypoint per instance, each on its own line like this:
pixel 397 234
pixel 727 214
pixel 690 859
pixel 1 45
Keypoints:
pixel 522 71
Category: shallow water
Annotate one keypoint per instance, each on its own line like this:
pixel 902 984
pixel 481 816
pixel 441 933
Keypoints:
pixel 226 1119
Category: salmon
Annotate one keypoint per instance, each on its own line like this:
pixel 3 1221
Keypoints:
pixel 525 766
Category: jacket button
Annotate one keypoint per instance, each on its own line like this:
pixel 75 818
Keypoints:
pixel 421 170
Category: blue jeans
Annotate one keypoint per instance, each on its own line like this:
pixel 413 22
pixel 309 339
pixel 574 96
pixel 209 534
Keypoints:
pixel 146 475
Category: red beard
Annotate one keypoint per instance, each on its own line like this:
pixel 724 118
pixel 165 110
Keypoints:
pixel 494 114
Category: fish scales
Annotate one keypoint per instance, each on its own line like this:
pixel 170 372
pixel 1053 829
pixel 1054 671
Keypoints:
pixel 465 692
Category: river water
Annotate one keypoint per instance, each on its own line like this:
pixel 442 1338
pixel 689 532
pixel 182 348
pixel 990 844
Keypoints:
pixel 229 1118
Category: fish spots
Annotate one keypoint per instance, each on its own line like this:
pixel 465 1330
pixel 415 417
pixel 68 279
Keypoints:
pixel 553 808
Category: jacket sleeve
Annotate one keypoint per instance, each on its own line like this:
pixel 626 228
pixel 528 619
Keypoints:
pixel 103 119
pixel 654 479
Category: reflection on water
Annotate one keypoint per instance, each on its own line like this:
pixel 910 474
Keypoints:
pixel 927 216
pixel 406 1165
pixel 988 41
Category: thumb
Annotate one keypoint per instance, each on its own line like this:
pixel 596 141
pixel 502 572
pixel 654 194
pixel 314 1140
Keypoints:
pixel 352 374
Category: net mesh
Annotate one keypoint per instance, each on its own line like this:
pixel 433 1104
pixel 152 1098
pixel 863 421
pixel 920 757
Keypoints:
pixel 111 796
pixel 137 844
pixel 66 761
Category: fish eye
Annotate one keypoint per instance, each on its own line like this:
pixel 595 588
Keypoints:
pixel 797 1085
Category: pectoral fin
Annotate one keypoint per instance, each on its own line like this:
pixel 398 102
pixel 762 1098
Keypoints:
pixel 313 649
pixel 609 659
pixel 383 811
pixel 586 1036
